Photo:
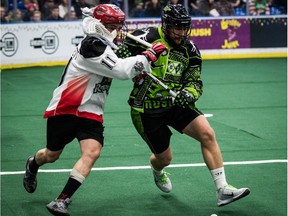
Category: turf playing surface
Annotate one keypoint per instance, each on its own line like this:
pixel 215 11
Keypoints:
pixel 248 100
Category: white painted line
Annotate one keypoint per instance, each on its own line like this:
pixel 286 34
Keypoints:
pixel 207 115
pixel 148 167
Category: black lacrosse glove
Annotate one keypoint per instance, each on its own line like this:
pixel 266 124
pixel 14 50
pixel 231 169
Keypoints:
pixel 184 100
pixel 123 52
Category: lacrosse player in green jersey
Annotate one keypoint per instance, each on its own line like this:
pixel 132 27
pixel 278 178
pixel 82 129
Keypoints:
pixel 153 109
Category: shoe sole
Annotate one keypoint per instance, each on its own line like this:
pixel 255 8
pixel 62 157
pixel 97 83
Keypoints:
pixel 244 194
pixel 57 213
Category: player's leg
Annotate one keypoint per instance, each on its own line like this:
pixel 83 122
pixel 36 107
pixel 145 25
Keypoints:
pixel 201 130
pixel 157 136
pixel 158 163
pixel 90 153
pixel 32 165
pixel 59 133
pixel 161 160
pixel 90 137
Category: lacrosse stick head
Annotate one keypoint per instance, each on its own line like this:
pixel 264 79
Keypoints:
pixel 176 23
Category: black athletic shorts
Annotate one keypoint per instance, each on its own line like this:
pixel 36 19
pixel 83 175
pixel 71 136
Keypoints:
pixel 62 129
pixel 154 129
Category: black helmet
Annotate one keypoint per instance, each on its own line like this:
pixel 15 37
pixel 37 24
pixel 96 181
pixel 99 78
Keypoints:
pixel 175 15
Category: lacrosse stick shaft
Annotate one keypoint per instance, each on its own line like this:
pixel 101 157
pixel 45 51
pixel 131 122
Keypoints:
pixel 156 80
pixel 145 43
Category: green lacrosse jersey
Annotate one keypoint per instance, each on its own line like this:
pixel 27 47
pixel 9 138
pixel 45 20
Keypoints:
pixel 179 69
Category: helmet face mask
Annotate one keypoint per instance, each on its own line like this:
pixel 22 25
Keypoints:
pixel 176 23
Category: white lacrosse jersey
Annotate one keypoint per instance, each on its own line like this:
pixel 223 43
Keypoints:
pixel 87 77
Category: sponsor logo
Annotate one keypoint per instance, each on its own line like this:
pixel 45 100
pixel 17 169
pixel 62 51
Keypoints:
pixel 48 42
pixel 9 44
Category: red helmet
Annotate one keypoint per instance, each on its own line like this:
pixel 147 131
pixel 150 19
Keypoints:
pixel 109 13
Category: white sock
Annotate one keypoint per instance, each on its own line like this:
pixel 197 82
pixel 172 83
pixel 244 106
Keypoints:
pixel 77 176
pixel 219 177
pixel 156 171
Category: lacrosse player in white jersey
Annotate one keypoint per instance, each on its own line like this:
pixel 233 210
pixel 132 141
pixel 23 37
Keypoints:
pixel 77 105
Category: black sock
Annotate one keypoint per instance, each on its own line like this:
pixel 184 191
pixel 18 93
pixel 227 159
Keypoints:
pixel 33 166
pixel 71 186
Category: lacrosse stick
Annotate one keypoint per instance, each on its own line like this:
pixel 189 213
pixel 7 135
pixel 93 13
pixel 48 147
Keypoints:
pixel 156 80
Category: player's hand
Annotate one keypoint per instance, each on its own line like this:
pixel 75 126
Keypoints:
pixel 184 100
pixel 139 78
pixel 123 51
pixel 153 53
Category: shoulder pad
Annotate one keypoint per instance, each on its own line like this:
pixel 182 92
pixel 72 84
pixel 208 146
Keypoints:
pixel 192 48
pixel 92 47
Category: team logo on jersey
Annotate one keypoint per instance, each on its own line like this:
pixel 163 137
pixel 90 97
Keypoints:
pixel 48 42
pixel 9 44
pixel 103 86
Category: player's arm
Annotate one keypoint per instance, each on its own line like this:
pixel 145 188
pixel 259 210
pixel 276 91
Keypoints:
pixel 191 78
pixel 130 47
pixel 96 57
pixel 192 86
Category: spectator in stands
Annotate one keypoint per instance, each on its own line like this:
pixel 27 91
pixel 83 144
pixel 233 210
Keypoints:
pixel 34 2
pixel 47 8
pixel 200 7
pixel 153 8
pixel 30 8
pixel 17 17
pixel 41 4
pixel 36 16
pixel 223 8
pixel 63 9
pixel 239 7
pixel 235 3
pixel 259 7
pixel 73 15
pixel 54 16
pixel 4 16
pixel 138 10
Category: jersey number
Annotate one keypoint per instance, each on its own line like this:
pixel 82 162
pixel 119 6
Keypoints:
pixel 108 62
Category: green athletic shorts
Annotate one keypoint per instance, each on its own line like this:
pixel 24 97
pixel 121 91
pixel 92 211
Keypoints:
pixel 154 129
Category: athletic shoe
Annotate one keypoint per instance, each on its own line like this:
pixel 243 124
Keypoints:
pixel 229 194
pixel 29 180
pixel 162 181
pixel 59 207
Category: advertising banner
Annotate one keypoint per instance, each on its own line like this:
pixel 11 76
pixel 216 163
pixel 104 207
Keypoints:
pixel 42 42
pixel 221 33
pixel 53 42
